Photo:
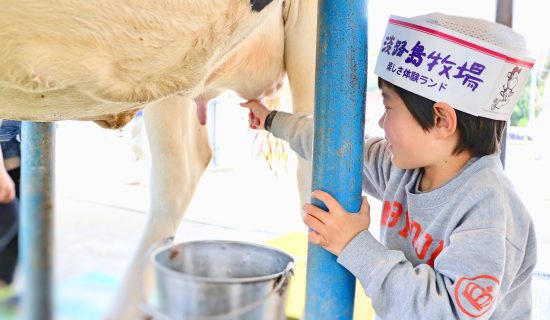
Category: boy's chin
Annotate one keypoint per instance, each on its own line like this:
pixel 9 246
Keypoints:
pixel 400 164
pixel 394 161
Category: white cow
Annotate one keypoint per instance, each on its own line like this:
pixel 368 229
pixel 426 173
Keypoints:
pixel 103 60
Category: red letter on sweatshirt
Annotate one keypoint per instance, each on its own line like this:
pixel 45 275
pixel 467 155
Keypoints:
pixel 385 213
pixel 436 252
pixel 425 247
pixel 415 225
pixel 395 213
pixel 405 232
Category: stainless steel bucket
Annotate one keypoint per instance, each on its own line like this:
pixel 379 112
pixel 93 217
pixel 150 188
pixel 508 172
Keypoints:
pixel 211 280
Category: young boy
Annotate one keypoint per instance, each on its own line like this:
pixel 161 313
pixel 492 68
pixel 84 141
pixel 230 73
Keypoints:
pixel 455 242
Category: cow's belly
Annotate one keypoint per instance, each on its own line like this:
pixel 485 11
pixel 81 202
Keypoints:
pixel 57 105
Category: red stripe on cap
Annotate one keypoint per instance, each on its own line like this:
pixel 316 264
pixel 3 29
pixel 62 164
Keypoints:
pixel 462 42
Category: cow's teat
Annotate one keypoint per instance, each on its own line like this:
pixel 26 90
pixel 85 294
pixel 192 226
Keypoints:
pixel 259 5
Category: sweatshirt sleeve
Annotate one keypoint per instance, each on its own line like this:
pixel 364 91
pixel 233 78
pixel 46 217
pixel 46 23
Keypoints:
pixel 297 129
pixel 466 281
pixel 377 167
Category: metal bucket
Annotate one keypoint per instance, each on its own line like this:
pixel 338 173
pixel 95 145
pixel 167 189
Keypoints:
pixel 211 280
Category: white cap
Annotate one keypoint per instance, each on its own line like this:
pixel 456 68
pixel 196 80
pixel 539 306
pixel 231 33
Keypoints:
pixel 477 66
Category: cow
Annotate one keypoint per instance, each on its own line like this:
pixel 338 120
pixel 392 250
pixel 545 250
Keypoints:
pixel 104 60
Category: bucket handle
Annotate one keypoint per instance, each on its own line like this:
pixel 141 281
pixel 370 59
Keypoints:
pixel 279 287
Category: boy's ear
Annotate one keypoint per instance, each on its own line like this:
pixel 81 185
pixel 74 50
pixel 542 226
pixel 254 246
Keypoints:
pixel 444 119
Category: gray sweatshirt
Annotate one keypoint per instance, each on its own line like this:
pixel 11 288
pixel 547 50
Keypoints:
pixel 465 250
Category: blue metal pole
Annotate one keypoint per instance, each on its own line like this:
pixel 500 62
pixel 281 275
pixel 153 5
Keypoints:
pixel 338 147
pixel 37 205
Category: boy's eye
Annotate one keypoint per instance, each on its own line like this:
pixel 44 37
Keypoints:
pixel 387 108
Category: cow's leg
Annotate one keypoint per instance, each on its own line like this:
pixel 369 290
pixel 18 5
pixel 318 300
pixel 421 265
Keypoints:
pixel 180 152
pixel 300 43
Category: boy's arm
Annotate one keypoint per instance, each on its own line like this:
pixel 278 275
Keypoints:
pixel 297 130
pixel 377 167
pixel 467 280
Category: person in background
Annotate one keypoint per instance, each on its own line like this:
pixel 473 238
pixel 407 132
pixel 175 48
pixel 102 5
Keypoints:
pixel 10 160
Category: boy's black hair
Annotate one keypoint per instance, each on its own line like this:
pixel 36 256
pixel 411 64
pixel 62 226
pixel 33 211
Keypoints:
pixel 481 136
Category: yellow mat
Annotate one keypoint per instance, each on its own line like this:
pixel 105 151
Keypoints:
pixel 295 244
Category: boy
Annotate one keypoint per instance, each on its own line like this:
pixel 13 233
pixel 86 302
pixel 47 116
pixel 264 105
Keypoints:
pixel 456 241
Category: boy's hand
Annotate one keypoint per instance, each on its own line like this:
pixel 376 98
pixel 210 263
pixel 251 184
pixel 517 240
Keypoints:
pixel 258 113
pixel 333 230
